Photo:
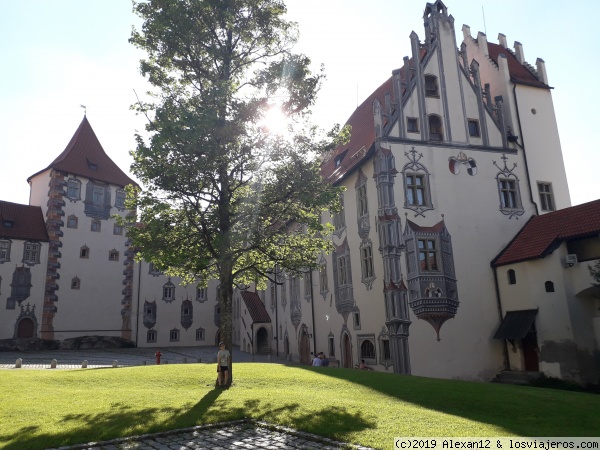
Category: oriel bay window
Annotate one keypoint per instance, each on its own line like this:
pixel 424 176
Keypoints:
pixel 428 258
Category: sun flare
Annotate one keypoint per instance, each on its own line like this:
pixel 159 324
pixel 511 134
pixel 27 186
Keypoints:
pixel 275 121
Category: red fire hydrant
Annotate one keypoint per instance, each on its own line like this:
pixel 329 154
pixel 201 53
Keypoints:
pixel 158 354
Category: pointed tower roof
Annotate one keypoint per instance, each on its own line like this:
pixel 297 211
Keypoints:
pixel 84 156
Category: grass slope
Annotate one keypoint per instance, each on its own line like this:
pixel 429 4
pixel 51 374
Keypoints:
pixel 50 408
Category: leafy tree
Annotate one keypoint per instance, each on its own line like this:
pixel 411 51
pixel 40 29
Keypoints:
pixel 223 197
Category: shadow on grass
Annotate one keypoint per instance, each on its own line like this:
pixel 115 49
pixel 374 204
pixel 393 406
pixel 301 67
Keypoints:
pixel 123 421
pixel 518 410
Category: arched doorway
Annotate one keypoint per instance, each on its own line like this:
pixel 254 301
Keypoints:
pixel 25 328
pixel 304 346
pixel 347 351
pixel 262 341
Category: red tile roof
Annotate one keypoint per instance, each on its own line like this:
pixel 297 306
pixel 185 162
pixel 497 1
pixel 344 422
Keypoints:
pixel 22 222
pixel 541 234
pixel 255 306
pixel 84 156
pixel 519 74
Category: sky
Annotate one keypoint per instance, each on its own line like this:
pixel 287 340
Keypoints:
pixel 58 55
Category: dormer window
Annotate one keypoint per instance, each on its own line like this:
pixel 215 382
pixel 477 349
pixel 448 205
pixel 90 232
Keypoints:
pixel 431 86
pixel 92 166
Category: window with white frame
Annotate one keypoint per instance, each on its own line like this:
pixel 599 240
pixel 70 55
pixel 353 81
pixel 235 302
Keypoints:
pixel 120 199
pixel 509 193
pixel 31 254
pixel 546 196
pixel 201 293
pixel 428 257
pixel 74 189
pixel 4 250
pixel 342 268
pixel 168 292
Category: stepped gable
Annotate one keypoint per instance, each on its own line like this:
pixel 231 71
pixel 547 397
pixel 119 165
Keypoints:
pixel 84 156
pixel 541 234
pixel 519 74
pixel 255 306
pixel 22 222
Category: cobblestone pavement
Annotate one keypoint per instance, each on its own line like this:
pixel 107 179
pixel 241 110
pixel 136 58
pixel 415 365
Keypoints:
pixel 241 435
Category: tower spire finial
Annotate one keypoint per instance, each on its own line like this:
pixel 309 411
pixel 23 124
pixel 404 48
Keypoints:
pixel 84 109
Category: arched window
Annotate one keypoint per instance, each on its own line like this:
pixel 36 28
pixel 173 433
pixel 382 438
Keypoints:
pixel 436 132
pixel 512 277
pixel 367 350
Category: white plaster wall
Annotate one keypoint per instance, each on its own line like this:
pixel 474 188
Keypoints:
pixel 38 191
pixel 9 317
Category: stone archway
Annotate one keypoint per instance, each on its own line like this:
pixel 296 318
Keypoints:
pixel 304 346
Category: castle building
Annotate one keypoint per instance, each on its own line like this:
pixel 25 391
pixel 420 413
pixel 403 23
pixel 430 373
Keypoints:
pixel 457 253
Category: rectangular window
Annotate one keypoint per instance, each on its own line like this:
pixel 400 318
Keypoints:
pixel 386 354
pixel 201 294
pixel 75 283
pixel 4 250
pixel 323 278
pixel 72 222
pixel 73 189
pixel 342 271
pixel 32 253
pixel 473 128
pixel 307 286
pixel 200 334
pixel 96 225
pixel 168 292
pixel 412 125
pixel 113 255
pixel 508 193
pixel 117 229
pixel 174 336
pixel 84 252
pixel 273 289
pixel 415 190
pixel 546 196
pixel 98 196
pixel 427 255
pixel 151 336
pixel 120 199
pixel 339 221
pixel 361 201
pixel 356 320
pixel 331 346
pixel 366 255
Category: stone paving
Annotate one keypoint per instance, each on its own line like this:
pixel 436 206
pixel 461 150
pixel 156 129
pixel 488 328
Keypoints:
pixel 241 435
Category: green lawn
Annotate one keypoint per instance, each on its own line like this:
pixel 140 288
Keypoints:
pixel 50 408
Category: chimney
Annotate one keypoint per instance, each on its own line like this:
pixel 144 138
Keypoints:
pixel 502 40
pixel 541 70
pixel 519 52
pixel 482 42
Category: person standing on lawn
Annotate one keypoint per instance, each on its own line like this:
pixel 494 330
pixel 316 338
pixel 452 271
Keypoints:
pixel 223 358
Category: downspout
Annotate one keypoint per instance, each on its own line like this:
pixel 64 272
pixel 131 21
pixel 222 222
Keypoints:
pixel 522 146
pixel 312 308
pixel 137 321
pixel 499 305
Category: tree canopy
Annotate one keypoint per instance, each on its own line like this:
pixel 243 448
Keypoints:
pixel 224 198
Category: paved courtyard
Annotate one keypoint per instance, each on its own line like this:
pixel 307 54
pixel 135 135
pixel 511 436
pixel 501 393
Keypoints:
pixel 246 434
